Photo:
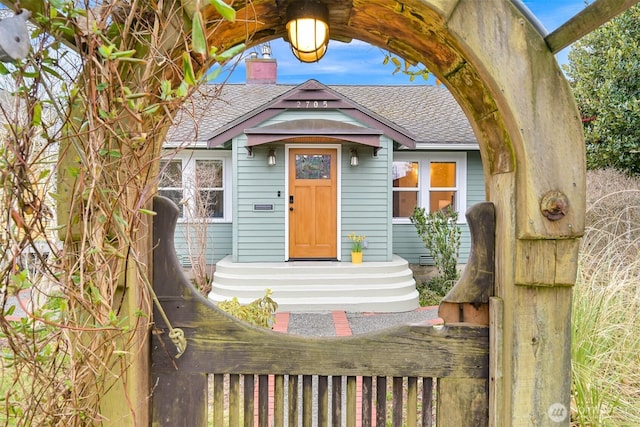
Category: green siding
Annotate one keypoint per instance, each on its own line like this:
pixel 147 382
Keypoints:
pixel 475 179
pixel 365 201
pixel 218 241
pixel 258 235
pixel 407 243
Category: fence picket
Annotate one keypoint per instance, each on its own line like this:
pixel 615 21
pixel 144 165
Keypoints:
pixel 367 391
pixel 293 401
pixel 351 401
pixel 278 401
pixel 234 400
pixel 323 401
pixel 427 402
pixel 336 401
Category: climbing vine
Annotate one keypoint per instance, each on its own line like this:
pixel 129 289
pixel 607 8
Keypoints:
pixel 83 120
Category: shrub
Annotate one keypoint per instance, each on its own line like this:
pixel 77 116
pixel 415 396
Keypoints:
pixel 261 312
pixel 431 292
pixel 441 236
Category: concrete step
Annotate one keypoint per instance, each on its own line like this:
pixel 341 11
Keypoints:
pixel 316 278
pixel 319 286
pixel 310 267
pixel 246 293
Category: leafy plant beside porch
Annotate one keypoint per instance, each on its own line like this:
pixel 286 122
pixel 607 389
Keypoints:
pixel 442 237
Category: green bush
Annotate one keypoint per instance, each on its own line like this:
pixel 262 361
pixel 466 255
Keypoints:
pixel 431 292
pixel 261 312
pixel 441 236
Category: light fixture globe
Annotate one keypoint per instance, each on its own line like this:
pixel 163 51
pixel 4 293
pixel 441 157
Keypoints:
pixel 308 30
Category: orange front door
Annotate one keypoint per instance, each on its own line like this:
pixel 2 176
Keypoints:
pixel 312 203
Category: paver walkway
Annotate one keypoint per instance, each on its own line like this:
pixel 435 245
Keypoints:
pixel 340 323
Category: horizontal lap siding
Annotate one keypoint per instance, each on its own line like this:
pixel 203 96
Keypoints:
pixel 475 179
pixel 218 241
pixel 259 235
pixel 407 243
pixel 365 201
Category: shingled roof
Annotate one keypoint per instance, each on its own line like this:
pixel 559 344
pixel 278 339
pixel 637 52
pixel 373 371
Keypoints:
pixel 429 113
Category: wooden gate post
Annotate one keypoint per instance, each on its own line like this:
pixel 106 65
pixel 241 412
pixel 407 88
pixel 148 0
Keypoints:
pixel 538 188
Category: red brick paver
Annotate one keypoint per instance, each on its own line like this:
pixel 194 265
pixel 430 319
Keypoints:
pixel 341 323
pixel 282 322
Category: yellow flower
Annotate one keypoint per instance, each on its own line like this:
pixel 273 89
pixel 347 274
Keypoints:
pixel 356 245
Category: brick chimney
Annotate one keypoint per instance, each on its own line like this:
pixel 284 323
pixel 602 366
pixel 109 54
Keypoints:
pixel 261 70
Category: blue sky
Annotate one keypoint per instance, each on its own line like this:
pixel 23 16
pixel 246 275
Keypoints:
pixel 360 63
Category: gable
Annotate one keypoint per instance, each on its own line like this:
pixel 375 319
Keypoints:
pixel 313 96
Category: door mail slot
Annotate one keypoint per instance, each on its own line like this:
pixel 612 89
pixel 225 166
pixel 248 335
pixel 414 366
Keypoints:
pixel 263 207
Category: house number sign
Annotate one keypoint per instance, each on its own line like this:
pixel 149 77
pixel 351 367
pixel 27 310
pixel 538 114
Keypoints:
pixel 312 104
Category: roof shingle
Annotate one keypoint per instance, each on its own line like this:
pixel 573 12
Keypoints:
pixel 428 112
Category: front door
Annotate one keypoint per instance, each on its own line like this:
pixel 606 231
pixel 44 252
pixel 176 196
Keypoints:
pixel 313 203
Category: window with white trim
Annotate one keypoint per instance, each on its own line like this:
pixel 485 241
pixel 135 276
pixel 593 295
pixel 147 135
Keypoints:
pixel 434 181
pixel 170 184
pixel 199 183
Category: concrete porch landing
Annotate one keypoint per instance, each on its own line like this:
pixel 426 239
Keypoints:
pixel 311 286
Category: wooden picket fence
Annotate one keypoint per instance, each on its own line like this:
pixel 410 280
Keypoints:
pixel 233 374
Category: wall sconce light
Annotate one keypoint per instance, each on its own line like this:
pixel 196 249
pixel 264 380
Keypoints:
pixel 271 159
pixel 354 157
pixel 308 29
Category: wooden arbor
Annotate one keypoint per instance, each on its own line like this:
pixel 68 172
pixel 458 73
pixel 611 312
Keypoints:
pixel 502 71
pixel 504 75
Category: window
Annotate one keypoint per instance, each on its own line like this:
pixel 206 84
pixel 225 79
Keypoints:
pixel 442 185
pixel 170 184
pixel 313 166
pixel 210 190
pixel 405 188
pixel 199 183
pixel 434 181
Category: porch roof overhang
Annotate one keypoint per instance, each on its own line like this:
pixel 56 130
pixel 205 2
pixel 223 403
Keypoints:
pixel 301 128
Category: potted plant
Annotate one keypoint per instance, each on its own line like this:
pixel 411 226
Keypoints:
pixel 356 247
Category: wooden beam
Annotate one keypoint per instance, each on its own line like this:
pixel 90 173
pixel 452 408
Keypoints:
pixel 593 16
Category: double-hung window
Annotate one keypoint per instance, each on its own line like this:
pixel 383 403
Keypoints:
pixel 434 181
pixel 199 183
pixel 209 185
pixel 406 187
pixel 171 182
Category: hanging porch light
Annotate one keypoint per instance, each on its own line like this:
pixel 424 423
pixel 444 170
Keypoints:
pixel 308 29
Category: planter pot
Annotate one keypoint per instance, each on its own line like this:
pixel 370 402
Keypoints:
pixel 356 257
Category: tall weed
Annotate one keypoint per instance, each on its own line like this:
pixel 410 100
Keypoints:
pixel 606 306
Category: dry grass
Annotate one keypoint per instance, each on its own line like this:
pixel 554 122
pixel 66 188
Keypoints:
pixel 606 323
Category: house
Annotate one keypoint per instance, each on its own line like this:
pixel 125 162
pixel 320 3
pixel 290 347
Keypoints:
pixel 284 173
